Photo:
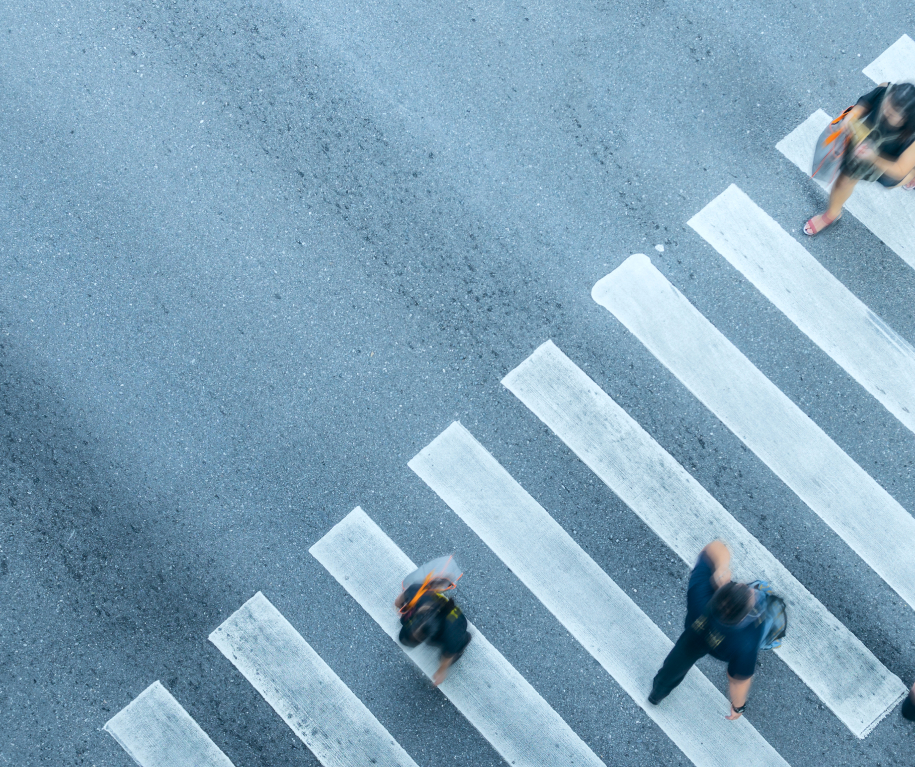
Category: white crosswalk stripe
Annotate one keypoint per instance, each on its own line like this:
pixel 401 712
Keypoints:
pixel 843 673
pixel 782 270
pixel 483 686
pixel 771 425
pixel 888 213
pixel 896 63
pixel 156 731
pixel 319 708
pixel 596 611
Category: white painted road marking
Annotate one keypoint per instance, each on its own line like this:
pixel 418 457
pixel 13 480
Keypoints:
pixel 784 272
pixel 157 732
pixel 831 660
pixel 596 611
pixel 896 63
pixel 319 708
pixel 836 488
pixel 482 685
pixel 888 213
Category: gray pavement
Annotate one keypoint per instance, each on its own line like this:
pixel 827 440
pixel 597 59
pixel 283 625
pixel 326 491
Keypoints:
pixel 257 255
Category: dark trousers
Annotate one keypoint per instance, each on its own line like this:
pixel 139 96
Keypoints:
pixel 689 648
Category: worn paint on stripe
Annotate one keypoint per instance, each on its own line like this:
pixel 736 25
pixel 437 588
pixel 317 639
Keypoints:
pixel 596 611
pixel 888 213
pixel 896 63
pixel 157 732
pixel 482 685
pixel 831 660
pixel 825 310
pixel 316 704
pixel 771 425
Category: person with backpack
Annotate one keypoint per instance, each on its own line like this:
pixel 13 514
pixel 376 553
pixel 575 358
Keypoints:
pixel 729 621
pixel 880 130
pixel 427 615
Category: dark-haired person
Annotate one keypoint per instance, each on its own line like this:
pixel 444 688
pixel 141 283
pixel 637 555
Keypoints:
pixel 429 616
pixel 886 156
pixel 721 621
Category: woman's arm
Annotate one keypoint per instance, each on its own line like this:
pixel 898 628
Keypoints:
pixel 897 168
pixel 857 112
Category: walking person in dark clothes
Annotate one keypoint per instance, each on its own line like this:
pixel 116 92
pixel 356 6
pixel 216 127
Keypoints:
pixel 429 616
pixel 722 620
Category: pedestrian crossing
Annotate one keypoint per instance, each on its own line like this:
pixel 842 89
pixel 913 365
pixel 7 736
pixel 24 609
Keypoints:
pixel 895 63
pixel 825 310
pixel 528 733
pixel 156 731
pixel 319 708
pixel 597 612
pixel 497 700
pixel 797 450
pixel 827 657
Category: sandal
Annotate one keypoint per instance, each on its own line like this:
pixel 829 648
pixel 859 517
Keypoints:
pixel 818 223
pixel 910 186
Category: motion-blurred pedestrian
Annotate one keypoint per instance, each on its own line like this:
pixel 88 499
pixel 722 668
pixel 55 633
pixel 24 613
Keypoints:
pixel 427 615
pixel 726 620
pixel 879 145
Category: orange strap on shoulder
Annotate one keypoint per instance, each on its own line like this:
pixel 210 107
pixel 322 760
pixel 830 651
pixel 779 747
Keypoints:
pixel 419 592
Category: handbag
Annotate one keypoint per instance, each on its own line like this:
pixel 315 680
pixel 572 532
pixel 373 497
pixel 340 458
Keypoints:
pixel 829 150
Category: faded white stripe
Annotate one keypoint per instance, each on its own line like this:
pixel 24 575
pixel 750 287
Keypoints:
pixel 482 685
pixel 319 708
pixel 784 272
pixel 836 488
pixel 842 672
pixel 596 611
pixel 896 63
pixel 888 213
pixel 157 732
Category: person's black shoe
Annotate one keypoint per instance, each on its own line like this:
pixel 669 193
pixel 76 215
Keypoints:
pixel 654 699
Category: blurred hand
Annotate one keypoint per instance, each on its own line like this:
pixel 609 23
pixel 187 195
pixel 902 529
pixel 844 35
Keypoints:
pixel 865 152
pixel 733 715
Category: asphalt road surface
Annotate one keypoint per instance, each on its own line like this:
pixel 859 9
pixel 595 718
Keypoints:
pixel 257 255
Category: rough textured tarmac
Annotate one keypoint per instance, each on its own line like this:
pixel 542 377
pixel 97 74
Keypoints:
pixel 256 255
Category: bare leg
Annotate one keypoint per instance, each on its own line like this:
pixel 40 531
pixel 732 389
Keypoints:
pixel 839 195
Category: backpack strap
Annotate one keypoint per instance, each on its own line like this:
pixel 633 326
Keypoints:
pixel 703 626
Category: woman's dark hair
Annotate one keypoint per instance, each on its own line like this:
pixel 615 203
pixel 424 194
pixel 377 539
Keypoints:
pixel 902 97
pixel 732 603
